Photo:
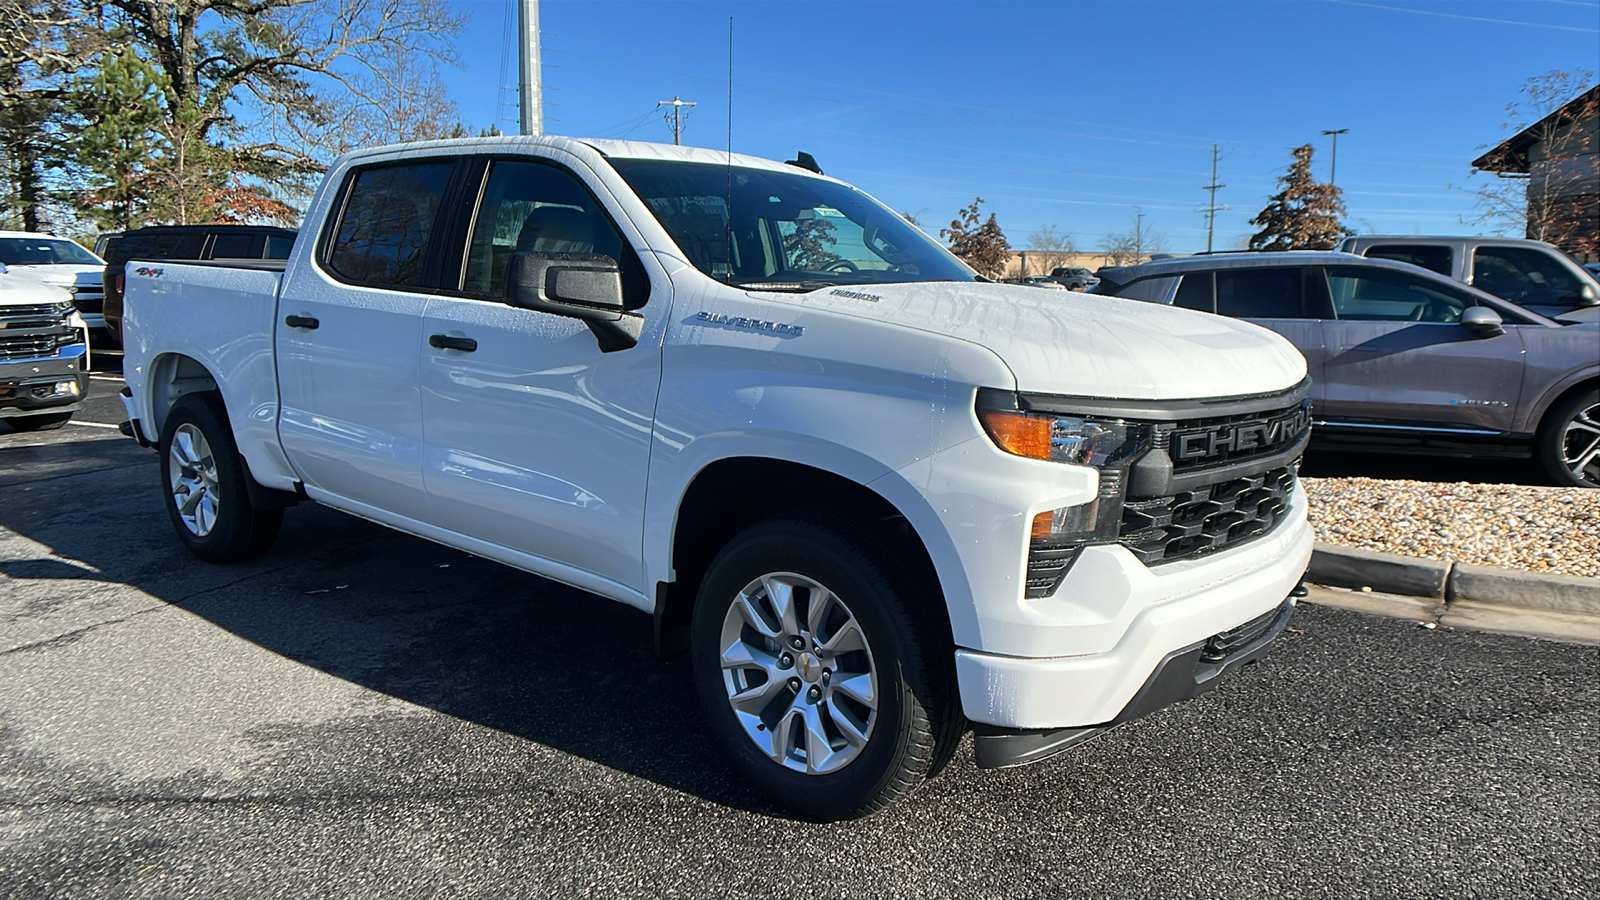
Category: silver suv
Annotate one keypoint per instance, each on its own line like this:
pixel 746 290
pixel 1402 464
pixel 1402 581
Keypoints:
pixel 1532 274
pixel 1403 358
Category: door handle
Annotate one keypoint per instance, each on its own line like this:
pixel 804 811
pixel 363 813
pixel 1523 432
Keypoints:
pixel 305 322
pixel 446 342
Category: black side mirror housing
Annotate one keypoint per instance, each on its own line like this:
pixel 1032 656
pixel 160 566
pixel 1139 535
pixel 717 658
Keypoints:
pixel 1484 321
pixel 579 286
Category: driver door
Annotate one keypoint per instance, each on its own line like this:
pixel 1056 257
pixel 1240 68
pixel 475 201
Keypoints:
pixel 1398 354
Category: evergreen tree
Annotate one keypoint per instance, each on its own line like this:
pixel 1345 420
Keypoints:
pixel 120 108
pixel 983 247
pixel 1305 215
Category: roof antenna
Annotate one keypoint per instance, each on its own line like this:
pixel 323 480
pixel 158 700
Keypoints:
pixel 804 160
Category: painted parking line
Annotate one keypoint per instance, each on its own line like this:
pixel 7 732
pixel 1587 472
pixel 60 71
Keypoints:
pixel 96 425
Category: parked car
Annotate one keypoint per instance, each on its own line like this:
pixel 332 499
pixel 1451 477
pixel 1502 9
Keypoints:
pixel 184 242
pixel 1592 268
pixel 1532 274
pixel 60 262
pixel 1074 278
pixel 875 497
pixel 1043 281
pixel 1404 358
pixel 44 354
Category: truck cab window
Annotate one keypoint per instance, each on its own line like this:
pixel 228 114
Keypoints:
pixel 1524 276
pixel 383 235
pixel 1431 257
pixel 536 208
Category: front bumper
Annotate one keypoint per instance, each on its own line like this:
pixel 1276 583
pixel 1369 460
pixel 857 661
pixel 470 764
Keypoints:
pixel 1182 674
pixel 1129 619
pixel 23 383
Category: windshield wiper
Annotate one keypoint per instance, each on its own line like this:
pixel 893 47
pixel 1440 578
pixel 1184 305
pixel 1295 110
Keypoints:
pixel 791 287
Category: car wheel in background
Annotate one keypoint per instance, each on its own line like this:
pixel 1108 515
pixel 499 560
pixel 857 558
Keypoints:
pixel 1569 440
pixel 812 671
pixel 205 491
pixel 44 422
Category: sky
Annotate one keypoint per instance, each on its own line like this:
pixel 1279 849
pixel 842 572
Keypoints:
pixel 1076 115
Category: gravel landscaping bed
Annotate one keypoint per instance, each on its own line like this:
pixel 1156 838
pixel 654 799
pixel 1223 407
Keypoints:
pixel 1542 529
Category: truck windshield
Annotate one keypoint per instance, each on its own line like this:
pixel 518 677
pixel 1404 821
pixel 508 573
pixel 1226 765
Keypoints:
pixel 44 252
pixel 779 231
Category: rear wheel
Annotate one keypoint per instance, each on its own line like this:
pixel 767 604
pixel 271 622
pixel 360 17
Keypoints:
pixel 206 497
pixel 42 422
pixel 812 670
pixel 1569 441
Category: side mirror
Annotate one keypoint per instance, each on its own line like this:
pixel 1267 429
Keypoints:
pixel 1484 321
pixel 579 286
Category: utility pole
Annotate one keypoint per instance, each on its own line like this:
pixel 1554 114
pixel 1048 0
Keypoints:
pixel 1333 159
pixel 1138 235
pixel 530 92
pixel 1213 187
pixel 677 115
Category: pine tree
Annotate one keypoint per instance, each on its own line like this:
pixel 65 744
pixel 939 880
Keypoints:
pixel 120 109
pixel 983 247
pixel 1305 215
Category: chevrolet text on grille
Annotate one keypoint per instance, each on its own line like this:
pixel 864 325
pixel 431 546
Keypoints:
pixel 1199 443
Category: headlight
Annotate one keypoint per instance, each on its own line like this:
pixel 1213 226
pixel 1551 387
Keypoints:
pixel 1109 445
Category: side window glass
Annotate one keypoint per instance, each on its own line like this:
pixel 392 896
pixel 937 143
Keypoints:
pixel 387 222
pixel 1524 276
pixel 1194 292
pixel 237 246
pixel 1150 290
pixel 278 246
pixel 1260 293
pixel 1378 295
pixel 535 208
pixel 1434 259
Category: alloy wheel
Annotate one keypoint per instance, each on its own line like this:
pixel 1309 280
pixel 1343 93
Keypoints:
pixel 193 480
pixel 799 673
pixel 1580 445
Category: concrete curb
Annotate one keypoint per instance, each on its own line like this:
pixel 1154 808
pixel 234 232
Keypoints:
pixel 1560 607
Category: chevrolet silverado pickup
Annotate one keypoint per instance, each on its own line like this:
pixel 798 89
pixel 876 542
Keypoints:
pixel 876 500
pixel 44 354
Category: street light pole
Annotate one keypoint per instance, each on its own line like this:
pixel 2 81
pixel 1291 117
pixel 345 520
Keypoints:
pixel 1333 159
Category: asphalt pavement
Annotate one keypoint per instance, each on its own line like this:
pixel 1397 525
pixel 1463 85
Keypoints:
pixel 363 714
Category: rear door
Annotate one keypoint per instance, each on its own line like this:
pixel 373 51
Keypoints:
pixel 1397 355
pixel 535 439
pixel 349 334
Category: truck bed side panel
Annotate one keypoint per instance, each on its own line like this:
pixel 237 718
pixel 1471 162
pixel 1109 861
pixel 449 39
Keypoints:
pixel 221 317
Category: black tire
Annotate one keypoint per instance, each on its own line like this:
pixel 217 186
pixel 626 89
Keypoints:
pixel 235 530
pixel 41 422
pixel 1565 433
pixel 916 724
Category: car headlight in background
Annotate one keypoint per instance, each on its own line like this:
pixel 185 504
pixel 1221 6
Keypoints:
pixel 1108 445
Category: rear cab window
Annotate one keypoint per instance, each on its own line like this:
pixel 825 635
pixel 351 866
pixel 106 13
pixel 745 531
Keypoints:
pixel 1524 275
pixel 1431 257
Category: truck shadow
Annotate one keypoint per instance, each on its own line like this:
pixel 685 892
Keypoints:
pixel 413 620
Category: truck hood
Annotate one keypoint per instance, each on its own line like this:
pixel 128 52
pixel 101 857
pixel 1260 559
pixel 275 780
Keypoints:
pixel 15 291
pixel 1084 345
pixel 76 274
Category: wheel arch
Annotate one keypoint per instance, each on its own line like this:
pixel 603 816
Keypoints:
pixel 1585 381
pixel 172 376
pixel 719 502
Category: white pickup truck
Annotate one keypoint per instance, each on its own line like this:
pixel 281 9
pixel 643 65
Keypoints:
pixel 877 500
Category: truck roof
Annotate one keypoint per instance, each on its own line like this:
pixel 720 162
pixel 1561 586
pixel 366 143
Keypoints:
pixel 582 146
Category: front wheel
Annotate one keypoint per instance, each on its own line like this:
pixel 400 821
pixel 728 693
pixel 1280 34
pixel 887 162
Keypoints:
pixel 205 491
pixel 1569 441
pixel 812 671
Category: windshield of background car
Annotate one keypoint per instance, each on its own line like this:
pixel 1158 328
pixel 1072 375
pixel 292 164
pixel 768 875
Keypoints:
pixel 44 252
pixel 763 229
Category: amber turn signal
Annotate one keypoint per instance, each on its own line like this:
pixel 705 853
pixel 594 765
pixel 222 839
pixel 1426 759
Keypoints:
pixel 1017 432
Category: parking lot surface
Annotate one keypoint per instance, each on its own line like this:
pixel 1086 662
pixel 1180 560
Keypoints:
pixel 364 714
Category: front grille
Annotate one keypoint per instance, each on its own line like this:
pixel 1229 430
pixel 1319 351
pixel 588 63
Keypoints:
pixel 89 303
pixel 1207 519
pixel 1223 645
pixel 1222 440
pixel 33 315
pixel 32 346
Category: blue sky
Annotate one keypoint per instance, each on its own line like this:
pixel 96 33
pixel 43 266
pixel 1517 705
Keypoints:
pixel 1072 114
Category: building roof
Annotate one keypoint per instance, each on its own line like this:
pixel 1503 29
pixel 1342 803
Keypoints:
pixel 1511 154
